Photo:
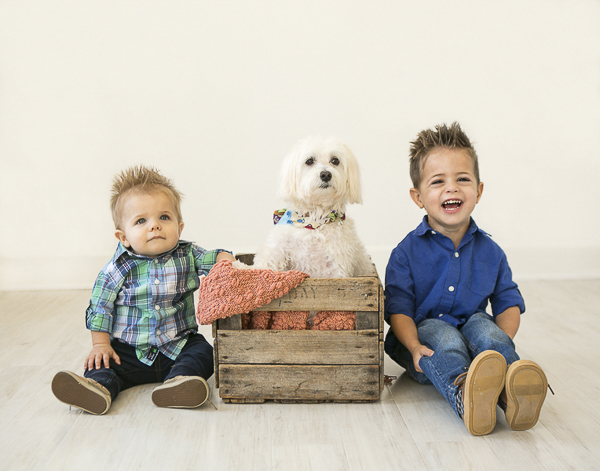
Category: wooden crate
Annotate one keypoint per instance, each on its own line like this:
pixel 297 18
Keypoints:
pixel 252 366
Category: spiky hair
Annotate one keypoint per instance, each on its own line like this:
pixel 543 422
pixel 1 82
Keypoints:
pixel 141 179
pixel 450 137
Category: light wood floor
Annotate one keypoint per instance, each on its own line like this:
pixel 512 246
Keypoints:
pixel 410 428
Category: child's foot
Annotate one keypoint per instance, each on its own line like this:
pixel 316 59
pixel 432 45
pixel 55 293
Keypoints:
pixel 524 394
pixel 80 392
pixel 481 386
pixel 182 391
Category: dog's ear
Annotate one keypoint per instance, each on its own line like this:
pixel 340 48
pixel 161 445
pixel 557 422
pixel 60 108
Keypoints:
pixel 353 176
pixel 288 180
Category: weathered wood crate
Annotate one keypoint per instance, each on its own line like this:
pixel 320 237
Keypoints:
pixel 252 366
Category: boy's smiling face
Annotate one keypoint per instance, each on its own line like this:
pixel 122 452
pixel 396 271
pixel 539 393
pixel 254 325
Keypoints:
pixel 448 191
pixel 149 224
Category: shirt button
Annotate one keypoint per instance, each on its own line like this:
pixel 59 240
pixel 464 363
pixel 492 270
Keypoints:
pixel 433 232
pixel 456 254
pixel 157 281
pixel 441 315
pixel 157 307
pixel 158 332
pixel 451 288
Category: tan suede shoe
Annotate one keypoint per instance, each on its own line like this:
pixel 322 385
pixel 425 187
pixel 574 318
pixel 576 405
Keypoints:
pixel 80 392
pixel 524 395
pixel 481 386
pixel 184 392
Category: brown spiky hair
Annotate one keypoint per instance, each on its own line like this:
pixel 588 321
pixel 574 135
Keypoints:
pixel 449 137
pixel 141 179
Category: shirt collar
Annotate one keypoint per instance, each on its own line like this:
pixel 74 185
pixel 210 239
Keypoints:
pixel 121 249
pixel 424 228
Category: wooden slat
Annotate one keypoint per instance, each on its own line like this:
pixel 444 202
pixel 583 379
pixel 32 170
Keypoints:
pixel 381 307
pixel 216 361
pixel 330 294
pixel 381 369
pixel 230 323
pixel 299 383
pixel 367 320
pixel 243 401
pixel 349 347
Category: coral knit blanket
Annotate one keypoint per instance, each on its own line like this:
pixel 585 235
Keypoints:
pixel 227 291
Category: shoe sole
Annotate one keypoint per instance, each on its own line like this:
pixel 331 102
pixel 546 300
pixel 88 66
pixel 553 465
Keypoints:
pixel 74 391
pixel 186 394
pixel 484 383
pixel 526 387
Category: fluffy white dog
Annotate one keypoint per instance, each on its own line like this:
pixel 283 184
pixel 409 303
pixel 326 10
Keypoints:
pixel 313 235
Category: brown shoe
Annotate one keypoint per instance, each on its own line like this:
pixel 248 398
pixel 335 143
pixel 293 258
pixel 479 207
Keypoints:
pixel 481 386
pixel 80 392
pixel 184 392
pixel 524 394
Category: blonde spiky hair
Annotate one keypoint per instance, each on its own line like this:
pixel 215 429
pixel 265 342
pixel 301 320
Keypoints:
pixel 450 137
pixel 141 179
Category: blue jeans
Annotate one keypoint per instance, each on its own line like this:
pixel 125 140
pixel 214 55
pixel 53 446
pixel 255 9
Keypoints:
pixel 454 349
pixel 195 359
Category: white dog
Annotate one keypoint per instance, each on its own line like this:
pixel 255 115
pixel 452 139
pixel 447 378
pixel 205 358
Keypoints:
pixel 313 235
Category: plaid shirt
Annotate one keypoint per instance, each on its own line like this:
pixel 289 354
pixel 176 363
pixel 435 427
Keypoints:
pixel 149 302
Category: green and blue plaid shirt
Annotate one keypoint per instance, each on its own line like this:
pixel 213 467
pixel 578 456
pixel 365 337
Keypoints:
pixel 149 302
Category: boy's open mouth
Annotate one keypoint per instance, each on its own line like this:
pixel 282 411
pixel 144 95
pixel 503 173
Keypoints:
pixel 452 205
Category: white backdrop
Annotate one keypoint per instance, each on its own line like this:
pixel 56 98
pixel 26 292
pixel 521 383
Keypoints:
pixel 216 93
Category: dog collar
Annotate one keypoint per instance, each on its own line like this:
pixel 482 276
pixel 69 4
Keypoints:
pixel 287 216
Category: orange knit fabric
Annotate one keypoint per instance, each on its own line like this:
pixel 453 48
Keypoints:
pixel 334 320
pixel 227 291
pixel 259 320
pixel 289 320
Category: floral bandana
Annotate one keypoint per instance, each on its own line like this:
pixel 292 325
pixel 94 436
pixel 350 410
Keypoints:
pixel 285 216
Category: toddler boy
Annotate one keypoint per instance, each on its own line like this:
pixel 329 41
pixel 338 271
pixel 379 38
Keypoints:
pixel 141 314
pixel 439 281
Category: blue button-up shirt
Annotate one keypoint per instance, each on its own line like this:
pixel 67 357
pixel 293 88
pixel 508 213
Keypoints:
pixel 427 277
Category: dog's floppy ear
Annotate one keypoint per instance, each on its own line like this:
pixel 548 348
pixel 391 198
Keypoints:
pixel 353 175
pixel 288 179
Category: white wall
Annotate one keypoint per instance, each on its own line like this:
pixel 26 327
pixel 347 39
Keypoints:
pixel 216 93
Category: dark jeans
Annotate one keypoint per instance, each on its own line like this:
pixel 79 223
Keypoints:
pixel 195 359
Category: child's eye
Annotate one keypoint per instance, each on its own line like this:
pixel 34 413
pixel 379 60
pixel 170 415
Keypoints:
pixel 437 182
pixel 310 161
pixel 140 221
pixel 164 217
pixel 464 179
pixel 335 161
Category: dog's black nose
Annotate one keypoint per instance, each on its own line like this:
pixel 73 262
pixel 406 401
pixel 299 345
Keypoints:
pixel 325 176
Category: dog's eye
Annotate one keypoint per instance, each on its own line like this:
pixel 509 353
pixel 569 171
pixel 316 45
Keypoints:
pixel 310 161
pixel 335 161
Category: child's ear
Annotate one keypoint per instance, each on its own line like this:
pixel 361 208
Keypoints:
pixel 479 191
pixel 181 227
pixel 416 197
pixel 119 234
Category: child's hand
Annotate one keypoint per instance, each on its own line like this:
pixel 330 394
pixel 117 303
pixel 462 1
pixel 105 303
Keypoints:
pixel 225 256
pixel 100 353
pixel 419 352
